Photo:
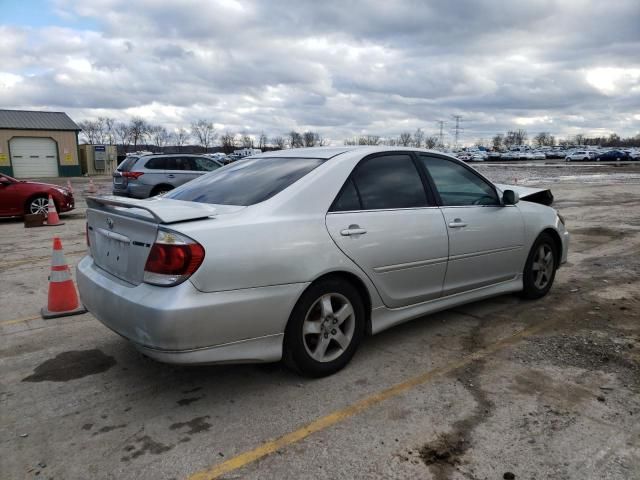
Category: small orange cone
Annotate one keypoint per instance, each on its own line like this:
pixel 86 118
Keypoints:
pixel 92 188
pixel 63 298
pixel 52 215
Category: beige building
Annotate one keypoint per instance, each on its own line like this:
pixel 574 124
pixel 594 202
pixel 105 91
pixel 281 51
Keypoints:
pixel 98 159
pixel 38 144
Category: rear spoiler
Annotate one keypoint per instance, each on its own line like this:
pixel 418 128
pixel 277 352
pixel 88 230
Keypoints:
pixel 162 210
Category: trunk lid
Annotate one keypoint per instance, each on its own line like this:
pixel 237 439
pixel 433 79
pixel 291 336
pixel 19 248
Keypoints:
pixel 122 231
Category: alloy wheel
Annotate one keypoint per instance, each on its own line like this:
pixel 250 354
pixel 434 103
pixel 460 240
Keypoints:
pixel 328 327
pixel 39 205
pixel 543 265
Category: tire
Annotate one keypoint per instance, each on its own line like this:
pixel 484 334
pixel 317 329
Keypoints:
pixel 160 189
pixel 540 269
pixel 38 204
pixel 332 338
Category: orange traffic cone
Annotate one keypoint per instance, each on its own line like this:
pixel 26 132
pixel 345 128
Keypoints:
pixel 52 215
pixel 92 188
pixel 63 299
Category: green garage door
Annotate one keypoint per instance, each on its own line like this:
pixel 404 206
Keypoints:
pixel 33 157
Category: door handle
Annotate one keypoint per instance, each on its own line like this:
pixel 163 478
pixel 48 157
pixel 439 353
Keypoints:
pixel 457 223
pixel 352 230
pixel 170 175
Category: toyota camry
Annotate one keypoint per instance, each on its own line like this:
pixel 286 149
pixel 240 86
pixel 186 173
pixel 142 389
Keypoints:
pixel 299 254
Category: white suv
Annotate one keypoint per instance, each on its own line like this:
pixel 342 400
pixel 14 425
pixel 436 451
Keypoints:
pixel 581 155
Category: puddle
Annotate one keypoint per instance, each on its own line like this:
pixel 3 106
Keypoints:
pixel 71 366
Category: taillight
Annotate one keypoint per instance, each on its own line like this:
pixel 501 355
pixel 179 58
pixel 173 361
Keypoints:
pixel 173 258
pixel 132 174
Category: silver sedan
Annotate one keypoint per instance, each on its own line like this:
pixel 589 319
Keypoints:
pixel 299 254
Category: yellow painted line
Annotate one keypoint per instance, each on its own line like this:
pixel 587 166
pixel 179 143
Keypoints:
pixel 18 320
pixel 271 446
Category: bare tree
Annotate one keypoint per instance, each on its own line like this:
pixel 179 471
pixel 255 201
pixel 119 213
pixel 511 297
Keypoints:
pixel 246 141
pixel 89 131
pixel 418 138
pixel 204 132
pixel 180 137
pixel 109 130
pixel 366 140
pixel 498 141
pixel 310 139
pixel 544 139
pixel 579 139
pixel 515 137
pixel 123 135
pixel 321 141
pixel 228 141
pixel 295 139
pixel 431 141
pixel 351 141
pixel 404 140
pixel 262 141
pixel 159 136
pixel 139 130
pixel 279 142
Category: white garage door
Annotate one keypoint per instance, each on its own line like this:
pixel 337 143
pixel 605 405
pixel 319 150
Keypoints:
pixel 33 157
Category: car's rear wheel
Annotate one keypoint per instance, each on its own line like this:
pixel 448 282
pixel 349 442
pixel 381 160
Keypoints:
pixel 39 205
pixel 540 269
pixel 325 328
pixel 161 190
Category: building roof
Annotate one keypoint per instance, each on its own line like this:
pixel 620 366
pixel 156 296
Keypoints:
pixel 32 120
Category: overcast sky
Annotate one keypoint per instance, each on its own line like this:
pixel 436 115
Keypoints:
pixel 342 68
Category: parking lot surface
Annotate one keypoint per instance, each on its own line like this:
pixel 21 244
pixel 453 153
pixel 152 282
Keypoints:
pixel 538 389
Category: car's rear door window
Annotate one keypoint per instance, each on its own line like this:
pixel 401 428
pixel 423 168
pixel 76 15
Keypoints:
pixel 246 182
pixel 383 182
pixel 157 163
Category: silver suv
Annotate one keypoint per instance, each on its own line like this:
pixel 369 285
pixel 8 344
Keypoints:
pixel 147 175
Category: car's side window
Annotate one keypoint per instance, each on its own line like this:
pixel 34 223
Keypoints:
pixel 383 182
pixel 457 185
pixel 348 199
pixel 158 163
pixel 205 164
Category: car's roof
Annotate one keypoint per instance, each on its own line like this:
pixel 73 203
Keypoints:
pixel 330 152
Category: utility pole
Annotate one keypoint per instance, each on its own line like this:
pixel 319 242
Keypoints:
pixel 441 135
pixel 457 128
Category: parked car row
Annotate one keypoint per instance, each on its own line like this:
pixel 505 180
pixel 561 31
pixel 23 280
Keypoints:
pixel 569 155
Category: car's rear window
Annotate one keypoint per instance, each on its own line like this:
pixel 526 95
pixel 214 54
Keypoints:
pixel 127 163
pixel 245 182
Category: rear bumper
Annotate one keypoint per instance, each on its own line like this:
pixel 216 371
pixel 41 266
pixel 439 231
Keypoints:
pixel 184 325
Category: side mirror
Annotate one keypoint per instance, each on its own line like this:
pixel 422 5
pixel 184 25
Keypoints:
pixel 509 197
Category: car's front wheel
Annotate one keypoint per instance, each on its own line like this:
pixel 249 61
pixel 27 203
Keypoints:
pixel 540 269
pixel 39 205
pixel 325 328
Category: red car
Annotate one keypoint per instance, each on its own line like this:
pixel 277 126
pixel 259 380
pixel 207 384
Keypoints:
pixel 18 197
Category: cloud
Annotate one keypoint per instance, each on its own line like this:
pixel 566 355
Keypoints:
pixel 343 68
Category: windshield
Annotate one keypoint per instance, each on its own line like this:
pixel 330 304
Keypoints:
pixel 245 182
